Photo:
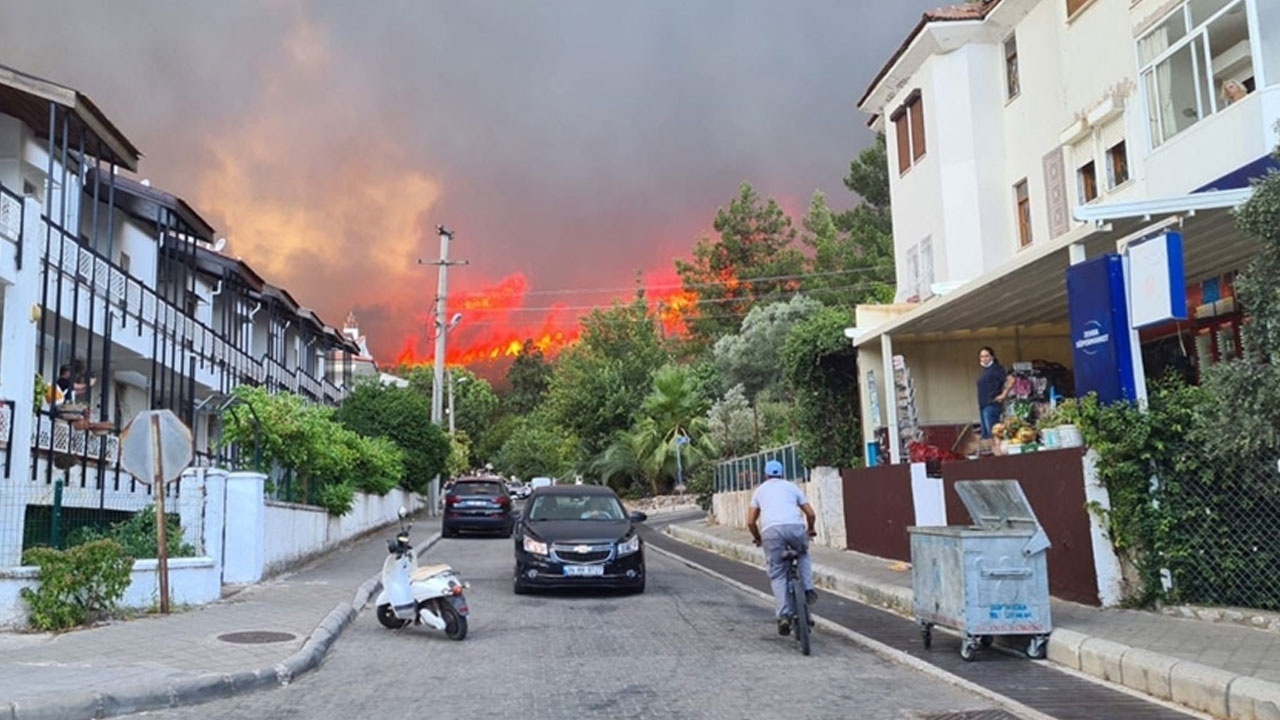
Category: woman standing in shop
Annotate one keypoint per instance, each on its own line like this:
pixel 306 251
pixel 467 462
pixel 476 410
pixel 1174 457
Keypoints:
pixel 992 386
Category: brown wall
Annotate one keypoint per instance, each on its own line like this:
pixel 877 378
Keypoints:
pixel 877 510
pixel 1053 482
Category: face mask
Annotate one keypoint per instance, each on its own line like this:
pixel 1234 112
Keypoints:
pixel 986 363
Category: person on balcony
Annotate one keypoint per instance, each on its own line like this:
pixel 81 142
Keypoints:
pixel 1234 91
pixel 71 385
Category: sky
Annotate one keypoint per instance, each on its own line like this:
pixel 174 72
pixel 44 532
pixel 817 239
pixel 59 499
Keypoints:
pixel 574 147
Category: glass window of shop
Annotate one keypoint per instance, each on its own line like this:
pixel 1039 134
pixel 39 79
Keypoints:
pixel 1195 62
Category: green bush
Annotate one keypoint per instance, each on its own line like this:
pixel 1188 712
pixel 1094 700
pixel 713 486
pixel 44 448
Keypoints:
pixel 78 585
pixel 137 535
pixel 337 498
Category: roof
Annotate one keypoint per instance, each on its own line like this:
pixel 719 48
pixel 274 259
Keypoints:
pixel 143 202
pixel 976 10
pixel 1030 289
pixel 26 97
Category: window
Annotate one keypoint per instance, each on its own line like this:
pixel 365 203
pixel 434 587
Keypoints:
pixel 1087 177
pixel 1022 205
pixel 1073 6
pixel 1117 165
pixel 1011 85
pixel 908 122
pixel 1194 63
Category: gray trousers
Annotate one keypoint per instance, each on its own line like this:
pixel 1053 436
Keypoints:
pixel 775 540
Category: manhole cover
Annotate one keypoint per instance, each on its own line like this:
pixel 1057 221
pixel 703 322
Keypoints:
pixel 973 715
pixel 257 637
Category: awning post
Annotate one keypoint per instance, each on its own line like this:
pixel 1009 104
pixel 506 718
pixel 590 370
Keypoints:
pixel 891 398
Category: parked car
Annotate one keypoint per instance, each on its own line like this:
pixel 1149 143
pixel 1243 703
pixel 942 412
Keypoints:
pixel 518 490
pixel 541 482
pixel 477 505
pixel 578 536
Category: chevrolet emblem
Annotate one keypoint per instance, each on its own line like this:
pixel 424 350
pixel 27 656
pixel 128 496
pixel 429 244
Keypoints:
pixel 582 549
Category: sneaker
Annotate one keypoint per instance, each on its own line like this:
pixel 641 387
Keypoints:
pixel 784 626
pixel 810 597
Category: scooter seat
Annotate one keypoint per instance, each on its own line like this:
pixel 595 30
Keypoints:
pixel 428 571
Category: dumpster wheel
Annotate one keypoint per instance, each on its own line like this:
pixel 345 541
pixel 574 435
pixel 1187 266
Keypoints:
pixel 926 634
pixel 1036 647
pixel 968 648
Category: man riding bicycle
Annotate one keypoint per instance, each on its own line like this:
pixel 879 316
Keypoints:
pixel 781 509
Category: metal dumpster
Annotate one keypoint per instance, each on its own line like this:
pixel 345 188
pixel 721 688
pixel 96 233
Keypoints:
pixel 987 579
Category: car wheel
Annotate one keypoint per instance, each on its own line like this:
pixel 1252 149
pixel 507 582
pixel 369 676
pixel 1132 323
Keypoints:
pixel 447 531
pixel 517 585
pixel 506 533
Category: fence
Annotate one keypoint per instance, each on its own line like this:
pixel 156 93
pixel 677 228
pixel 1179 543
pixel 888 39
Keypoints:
pixel 745 472
pixel 1218 534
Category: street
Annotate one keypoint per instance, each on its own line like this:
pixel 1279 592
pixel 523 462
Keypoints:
pixel 690 647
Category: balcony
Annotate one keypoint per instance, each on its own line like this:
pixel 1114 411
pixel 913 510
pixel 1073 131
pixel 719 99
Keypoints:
pixel 1216 146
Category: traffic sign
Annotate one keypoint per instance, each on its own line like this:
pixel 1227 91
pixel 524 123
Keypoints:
pixel 155 444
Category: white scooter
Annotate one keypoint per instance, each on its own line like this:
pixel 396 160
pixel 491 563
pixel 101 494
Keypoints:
pixel 430 595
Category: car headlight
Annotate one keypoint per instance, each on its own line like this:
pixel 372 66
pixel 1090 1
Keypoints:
pixel 626 547
pixel 536 547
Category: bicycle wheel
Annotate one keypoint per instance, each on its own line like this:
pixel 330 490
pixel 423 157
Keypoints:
pixel 801 608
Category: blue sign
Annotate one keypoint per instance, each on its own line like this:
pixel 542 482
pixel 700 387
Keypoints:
pixel 1100 349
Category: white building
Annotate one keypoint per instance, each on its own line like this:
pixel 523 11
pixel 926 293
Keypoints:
pixel 124 285
pixel 1025 135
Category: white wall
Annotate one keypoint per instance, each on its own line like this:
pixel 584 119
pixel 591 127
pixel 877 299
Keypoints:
pixel 824 492
pixel 296 534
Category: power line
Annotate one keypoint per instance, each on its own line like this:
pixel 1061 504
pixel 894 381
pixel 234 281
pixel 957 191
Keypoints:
pixel 694 286
pixel 711 301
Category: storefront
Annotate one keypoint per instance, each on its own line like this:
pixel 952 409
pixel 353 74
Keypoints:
pixel 920 362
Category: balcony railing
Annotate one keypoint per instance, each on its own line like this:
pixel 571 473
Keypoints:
pixel 134 301
pixel 11 220
pixel 6 433
pixel 59 437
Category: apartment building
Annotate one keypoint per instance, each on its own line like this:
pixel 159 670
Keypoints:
pixel 1028 135
pixel 115 298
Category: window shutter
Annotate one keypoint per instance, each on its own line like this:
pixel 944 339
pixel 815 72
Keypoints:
pixel 916 111
pixel 903 141
pixel 1074 5
pixel 1112 133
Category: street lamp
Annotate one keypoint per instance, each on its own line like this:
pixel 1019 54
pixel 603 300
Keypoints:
pixel 462 379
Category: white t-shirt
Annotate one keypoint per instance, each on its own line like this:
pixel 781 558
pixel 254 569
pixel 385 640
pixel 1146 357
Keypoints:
pixel 779 502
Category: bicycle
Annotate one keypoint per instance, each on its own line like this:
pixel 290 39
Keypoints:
pixel 801 623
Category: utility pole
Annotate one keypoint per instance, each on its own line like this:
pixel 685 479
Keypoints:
pixel 441 329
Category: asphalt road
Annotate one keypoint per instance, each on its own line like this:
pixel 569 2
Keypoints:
pixel 690 647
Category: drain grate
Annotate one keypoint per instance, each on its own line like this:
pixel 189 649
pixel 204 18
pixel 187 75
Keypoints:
pixel 973 715
pixel 256 637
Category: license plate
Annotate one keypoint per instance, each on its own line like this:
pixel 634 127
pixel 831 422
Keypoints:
pixel 583 569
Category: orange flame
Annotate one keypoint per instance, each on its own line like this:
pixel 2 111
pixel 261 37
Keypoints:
pixel 495 325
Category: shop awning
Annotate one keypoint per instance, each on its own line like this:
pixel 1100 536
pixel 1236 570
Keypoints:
pixel 1031 290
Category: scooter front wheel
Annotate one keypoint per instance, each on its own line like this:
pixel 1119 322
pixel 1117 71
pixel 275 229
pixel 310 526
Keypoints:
pixel 388 618
pixel 455 625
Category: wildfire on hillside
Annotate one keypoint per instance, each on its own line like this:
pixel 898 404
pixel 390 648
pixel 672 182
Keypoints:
pixel 498 319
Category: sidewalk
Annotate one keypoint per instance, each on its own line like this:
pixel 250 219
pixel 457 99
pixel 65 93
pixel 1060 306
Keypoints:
pixel 288 624
pixel 1229 671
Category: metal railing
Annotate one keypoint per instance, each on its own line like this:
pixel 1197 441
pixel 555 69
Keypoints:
pixel 747 471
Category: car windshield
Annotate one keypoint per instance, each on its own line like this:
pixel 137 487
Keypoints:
pixel 477 488
pixel 576 507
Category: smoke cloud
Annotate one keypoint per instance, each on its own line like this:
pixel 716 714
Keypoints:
pixel 570 144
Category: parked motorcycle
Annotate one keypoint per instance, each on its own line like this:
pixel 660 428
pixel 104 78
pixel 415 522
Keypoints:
pixel 430 595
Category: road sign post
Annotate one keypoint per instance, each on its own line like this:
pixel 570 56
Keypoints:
pixel 155 448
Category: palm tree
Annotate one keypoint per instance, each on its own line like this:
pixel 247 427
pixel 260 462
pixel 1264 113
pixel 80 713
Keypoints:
pixel 646 452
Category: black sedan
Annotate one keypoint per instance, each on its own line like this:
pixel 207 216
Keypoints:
pixel 578 536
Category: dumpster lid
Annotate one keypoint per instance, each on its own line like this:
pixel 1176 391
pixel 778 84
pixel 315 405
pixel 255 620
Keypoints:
pixel 995 504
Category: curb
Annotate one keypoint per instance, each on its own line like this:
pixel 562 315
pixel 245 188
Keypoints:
pixel 1187 683
pixel 211 686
